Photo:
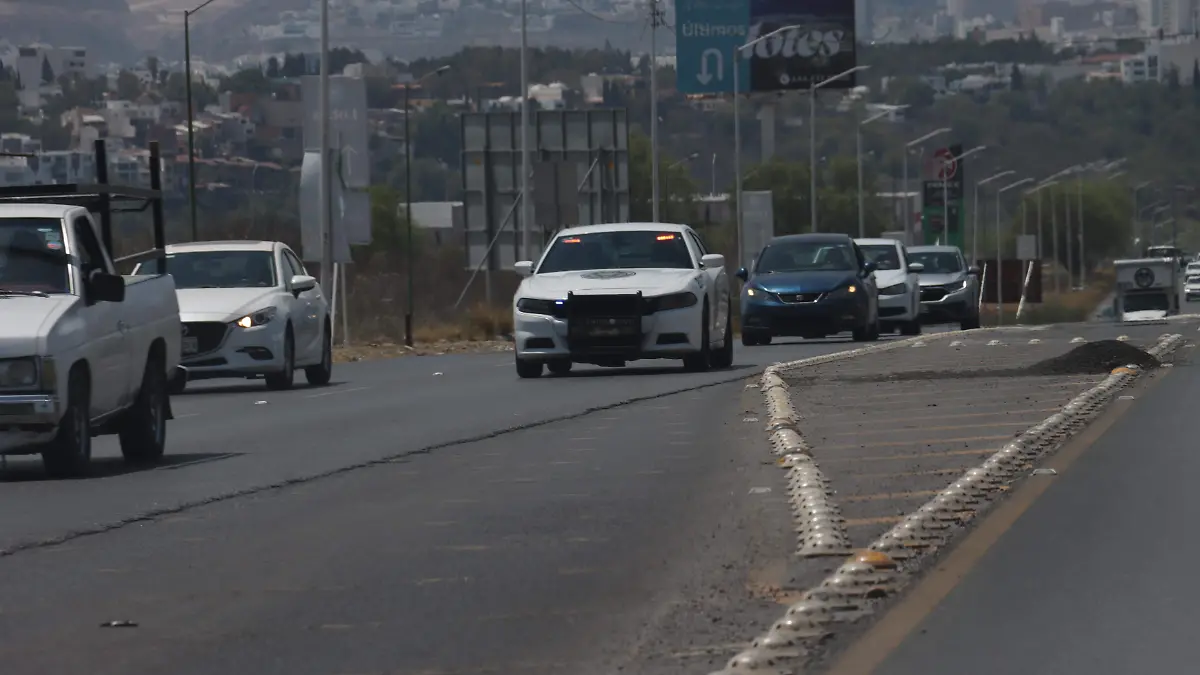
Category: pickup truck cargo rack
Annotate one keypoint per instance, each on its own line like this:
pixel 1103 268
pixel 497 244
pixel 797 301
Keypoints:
pixel 104 199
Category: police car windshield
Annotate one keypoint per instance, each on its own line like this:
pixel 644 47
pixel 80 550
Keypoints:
pixel 619 249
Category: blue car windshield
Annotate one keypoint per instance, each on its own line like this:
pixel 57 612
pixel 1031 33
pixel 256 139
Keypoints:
pixel 806 256
pixel 937 262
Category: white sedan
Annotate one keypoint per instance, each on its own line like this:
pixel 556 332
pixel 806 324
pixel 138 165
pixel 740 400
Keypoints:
pixel 610 294
pixel 898 282
pixel 249 309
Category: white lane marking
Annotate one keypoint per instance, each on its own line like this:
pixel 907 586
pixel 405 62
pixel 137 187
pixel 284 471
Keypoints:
pixel 336 391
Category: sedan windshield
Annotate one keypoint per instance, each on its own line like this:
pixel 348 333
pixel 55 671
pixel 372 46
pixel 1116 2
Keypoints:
pixel 32 259
pixel 937 262
pixel 216 269
pixel 804 256
pixel 884 256
pixel 621 249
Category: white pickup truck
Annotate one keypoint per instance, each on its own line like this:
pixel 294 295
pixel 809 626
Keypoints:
pixel 83 350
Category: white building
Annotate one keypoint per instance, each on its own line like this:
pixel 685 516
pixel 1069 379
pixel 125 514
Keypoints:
pixel 39 66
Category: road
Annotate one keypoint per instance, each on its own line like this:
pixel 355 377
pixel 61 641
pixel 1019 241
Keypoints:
pixel 484 534
pixel 1096 574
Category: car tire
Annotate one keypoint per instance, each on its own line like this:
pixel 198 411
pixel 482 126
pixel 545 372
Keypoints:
pixel 753 338
pixel 723 357
pixel 178 386
pixel 911 327
pixel 320 374
pixel 559 366
pixel 69 455
pixel 528 368
pixel 143 430
pixel 701 360
pixel 285 378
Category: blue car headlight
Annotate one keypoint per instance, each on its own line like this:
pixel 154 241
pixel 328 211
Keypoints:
pixel 844 292
pixel 894 289
pixel 537 306
pixel 757 293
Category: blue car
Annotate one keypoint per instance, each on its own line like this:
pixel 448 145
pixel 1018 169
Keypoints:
pixel 809 286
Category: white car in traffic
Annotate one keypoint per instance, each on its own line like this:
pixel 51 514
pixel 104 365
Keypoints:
pixel 610 294
pixel 898 282
pixel 249 309
pixel 1191 284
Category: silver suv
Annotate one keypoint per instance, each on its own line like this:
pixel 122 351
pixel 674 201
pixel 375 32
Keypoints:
pixel 949 287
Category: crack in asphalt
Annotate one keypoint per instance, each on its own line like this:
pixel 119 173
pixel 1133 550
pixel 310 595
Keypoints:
pixel 154 514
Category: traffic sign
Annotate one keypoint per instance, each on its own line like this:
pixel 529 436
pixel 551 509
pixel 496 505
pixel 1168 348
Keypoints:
pixel 706 34
pixel 947 165
pixel 819 46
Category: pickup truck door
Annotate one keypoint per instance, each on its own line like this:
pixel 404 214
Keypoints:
pixel 105 328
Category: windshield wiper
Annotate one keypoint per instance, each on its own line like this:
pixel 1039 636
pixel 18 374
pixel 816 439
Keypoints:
pixel 35 294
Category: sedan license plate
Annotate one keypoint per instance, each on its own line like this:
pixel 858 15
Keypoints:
pixel 191 345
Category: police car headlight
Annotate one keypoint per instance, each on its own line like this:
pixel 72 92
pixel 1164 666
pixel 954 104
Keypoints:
pixel 673 301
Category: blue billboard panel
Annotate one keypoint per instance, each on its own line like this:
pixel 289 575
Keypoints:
pixel 706 34
pixel 817 45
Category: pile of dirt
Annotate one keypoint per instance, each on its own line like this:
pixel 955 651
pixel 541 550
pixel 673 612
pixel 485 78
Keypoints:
pixel 1094 358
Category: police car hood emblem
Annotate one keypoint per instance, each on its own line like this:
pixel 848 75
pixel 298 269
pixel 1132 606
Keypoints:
pixel 608 274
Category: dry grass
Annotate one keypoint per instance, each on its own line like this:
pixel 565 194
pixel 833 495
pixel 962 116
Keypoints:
pixel 1064 307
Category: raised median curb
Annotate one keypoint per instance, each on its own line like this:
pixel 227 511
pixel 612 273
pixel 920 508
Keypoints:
pixel 853 589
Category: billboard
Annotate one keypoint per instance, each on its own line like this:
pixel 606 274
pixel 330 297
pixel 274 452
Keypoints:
pixel 942 207
pixel 349 136
pixel 820 46
pixel 580 167
pixel 310 210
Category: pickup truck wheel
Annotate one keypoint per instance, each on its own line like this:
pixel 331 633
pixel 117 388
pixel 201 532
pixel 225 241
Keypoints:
pixel 69 455
pixel 143 430
pixel 286 377
pixel 320 374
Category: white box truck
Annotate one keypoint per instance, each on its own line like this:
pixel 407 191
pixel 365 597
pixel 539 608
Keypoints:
pixel 1147 289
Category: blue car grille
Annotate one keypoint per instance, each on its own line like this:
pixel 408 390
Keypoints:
pixel 799 297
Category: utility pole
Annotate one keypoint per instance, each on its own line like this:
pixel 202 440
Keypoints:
pixel 655 21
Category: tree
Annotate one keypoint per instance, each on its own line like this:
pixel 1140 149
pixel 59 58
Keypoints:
pixel 273 68
pixel 249 80
pixel 679 192
pixel 1016 81
pixel 1196 74
pixel 129 87
pixel 47 71
pixel 152 67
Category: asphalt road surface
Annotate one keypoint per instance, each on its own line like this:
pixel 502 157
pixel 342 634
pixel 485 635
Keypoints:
pixel 484 537
pixel 1096 576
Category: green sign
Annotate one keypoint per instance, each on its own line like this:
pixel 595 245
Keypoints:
pixel 942 208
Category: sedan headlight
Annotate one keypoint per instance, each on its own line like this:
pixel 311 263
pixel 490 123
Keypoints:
pixel 258 318
pixel 894 289
pixel 843 292
pixel 19 373
pixel 538 306
pixel 673 301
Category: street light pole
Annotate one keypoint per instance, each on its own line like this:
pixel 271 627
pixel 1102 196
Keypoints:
pixel 737 134
pixel 953 162
pixel 410 263
pixel 1037 190
pixel 654 161
pixel 999 251
pixel 526 210
pixel 862 219
pixel 812 139
pixel 667 179
pixel 191 119
pixel 975 212
pixel 908 225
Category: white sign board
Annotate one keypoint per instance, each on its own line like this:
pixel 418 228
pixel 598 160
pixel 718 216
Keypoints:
pixel 758 224
pixel 347 124
pixel 310 210
pixel 1027 246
